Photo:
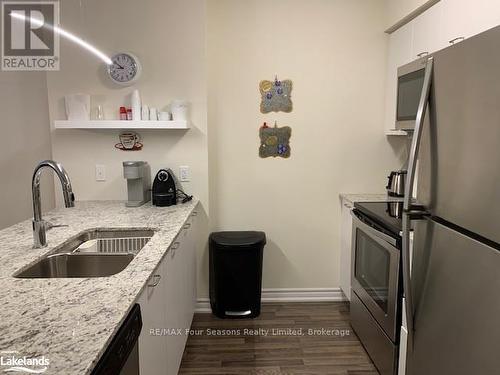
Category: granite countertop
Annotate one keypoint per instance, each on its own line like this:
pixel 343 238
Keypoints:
pixel 351 198
pixel 71 321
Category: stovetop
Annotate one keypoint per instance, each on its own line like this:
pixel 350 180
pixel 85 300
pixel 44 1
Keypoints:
pixel 388 214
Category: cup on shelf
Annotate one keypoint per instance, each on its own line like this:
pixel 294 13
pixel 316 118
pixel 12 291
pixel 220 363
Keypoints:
pixel 179 109
pixel 77 106
pixel 99 112
pixel 145 113
pixel 153 114
pixel 164 116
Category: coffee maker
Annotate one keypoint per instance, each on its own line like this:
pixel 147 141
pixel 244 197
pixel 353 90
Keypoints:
pixel 164 189
pixel 138 175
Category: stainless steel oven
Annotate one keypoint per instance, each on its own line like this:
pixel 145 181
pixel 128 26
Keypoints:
pixel 377 292
pixel 409 89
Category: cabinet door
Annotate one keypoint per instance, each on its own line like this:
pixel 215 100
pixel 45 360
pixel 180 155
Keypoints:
pixel 187 262
pixel 174 274
pixel 400 53
pixel 345 249
pixel 191 244
pixel 153 342
pixel 465 18
pixel 193 267
pixel 428 33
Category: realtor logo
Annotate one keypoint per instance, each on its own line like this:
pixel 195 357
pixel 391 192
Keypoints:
pixel 29 39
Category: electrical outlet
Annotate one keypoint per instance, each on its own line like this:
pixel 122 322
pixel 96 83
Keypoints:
pixel 100 172
pixel 184 173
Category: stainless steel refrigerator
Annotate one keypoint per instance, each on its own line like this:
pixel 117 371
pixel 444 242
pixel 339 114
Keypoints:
pixel 453 293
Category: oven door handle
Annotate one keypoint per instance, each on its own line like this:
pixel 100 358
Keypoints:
pixel 372 231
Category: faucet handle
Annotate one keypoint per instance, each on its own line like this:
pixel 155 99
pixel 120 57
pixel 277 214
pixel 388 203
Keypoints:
pixel 49 225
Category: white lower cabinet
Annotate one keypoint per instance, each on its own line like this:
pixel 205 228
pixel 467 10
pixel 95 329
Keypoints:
pixel 167 306
pixel 152 341
pixel 345 248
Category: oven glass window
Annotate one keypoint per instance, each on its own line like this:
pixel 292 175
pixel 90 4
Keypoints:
pixel 372 268
pixel 409 91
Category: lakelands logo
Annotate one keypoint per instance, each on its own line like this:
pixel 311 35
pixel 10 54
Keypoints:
pixel 29 39
pixel 11 361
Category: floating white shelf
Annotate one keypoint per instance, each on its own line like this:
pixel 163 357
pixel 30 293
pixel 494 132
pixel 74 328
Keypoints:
pixel 395 132
pixel 121 124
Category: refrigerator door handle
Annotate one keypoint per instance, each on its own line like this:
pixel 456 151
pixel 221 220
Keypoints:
pixel 407 205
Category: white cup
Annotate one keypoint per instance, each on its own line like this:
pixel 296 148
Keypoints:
pixel 77 106
pixel 153 114
pixel 179 109
pixel 145 113
pixel 164 116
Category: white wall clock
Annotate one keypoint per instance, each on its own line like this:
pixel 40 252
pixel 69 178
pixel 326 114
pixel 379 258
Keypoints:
pixel 125 69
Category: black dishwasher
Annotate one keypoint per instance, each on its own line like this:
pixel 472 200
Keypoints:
pixel 122 355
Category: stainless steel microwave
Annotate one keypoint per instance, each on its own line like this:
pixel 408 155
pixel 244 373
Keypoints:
pixel 410 85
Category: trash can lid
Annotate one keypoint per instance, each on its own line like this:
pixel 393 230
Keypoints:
pixel 242 238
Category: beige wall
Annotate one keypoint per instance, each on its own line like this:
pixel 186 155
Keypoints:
pixel 25 141
pixel 169 39
pixel 335 53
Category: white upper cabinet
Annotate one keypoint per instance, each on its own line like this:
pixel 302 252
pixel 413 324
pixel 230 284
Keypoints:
pixel 428 33
pixel 465 18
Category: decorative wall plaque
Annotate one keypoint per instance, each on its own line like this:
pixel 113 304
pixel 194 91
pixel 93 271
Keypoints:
pixel 276 96
pixel 275 141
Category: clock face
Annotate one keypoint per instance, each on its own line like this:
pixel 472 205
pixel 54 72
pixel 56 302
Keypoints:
pixel 125 68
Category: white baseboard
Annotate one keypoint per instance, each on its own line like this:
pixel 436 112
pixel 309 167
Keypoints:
pixel 287 295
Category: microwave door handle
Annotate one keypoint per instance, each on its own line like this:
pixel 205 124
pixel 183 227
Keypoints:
pixel 407 205
pixel 373 232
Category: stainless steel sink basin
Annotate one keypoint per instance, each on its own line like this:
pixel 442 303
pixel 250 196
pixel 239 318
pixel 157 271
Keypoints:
pixel 93 253
pixel 78 265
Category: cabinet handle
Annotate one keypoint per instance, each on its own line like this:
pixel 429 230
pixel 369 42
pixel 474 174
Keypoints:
pixel 459 39
pixel 422 54
pixel 195 213
pixel 187 225
pixel 156 281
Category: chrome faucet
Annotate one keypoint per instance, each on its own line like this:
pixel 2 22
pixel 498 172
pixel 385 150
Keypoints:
pixel 40 226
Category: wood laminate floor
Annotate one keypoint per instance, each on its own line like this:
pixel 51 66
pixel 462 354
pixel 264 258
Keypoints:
pixel 273 344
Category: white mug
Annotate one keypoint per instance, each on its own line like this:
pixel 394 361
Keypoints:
pixel 163 116
pixel 179 109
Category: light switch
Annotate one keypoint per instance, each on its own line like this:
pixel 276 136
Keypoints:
pixel 184 173
pixel 100 172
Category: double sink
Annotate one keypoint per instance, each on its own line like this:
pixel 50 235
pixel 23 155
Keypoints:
pixel 93 253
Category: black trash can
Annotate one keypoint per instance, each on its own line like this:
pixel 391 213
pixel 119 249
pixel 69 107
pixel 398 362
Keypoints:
pixel 236 273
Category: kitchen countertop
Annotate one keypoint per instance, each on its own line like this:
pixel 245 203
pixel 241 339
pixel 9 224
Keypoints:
pixel 351 198
pixel 70 321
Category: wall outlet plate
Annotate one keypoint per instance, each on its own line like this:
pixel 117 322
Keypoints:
pixel 184 173
pixel 100 172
